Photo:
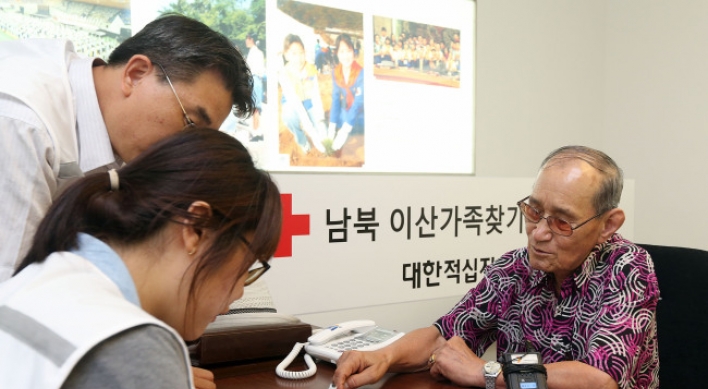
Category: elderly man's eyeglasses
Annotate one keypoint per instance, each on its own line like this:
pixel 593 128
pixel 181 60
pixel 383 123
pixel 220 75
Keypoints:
pixel 187 121
pixel 557 225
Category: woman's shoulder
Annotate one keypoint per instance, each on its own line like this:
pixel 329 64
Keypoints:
pixel 143 356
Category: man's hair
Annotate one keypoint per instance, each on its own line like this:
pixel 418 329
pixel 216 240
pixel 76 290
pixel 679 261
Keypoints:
pixel 187 48
pixel 610 192
pixel 157 188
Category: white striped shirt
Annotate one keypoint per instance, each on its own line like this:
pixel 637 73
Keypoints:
pixel 28 182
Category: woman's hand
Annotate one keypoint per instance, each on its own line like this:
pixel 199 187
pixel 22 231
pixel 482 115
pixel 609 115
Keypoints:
pixel 203 379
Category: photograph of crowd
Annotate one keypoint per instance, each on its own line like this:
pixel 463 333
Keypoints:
pixel 95 28
pixel 310 65
pixel 414 52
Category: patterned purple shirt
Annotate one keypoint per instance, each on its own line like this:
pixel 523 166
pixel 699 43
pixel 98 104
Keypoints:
pixel 605 315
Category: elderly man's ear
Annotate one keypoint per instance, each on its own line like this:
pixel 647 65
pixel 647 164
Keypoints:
pixel 612 221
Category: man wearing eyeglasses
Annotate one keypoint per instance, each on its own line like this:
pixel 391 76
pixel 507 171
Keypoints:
pixel 62 116
pixel 578 293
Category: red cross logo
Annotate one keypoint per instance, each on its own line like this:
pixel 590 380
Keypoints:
pixel 292 225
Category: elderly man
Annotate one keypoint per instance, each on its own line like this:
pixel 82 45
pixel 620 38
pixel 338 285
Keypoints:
pixel 579 293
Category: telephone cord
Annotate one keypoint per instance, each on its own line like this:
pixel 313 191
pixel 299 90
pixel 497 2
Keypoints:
pixel 296 375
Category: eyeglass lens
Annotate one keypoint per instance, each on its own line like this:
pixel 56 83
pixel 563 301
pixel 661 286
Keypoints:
pixel 556 225
pixel 255 274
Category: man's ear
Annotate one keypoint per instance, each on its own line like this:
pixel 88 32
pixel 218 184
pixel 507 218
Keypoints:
pixel 611 223
pixel 136 69
pixel 192 235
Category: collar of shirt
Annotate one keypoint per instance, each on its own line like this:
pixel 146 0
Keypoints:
pixel 594 260
pixel 537 276
pixel 582 274
pixel 110 264
pixel 94 144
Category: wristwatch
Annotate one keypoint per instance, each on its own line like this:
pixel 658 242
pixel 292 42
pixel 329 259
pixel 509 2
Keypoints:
pixel 491 371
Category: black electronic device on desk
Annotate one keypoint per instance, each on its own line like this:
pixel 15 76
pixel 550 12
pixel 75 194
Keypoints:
pixel 524 370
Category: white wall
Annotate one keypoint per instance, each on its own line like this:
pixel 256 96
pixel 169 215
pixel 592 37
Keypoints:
pixel 629 78
pixel 656 121
pixel 540 67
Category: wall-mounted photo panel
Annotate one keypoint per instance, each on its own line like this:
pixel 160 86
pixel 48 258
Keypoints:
pixel 379 109
pixel 340 86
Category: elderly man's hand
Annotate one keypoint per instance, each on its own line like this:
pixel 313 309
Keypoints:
pixel 203 379
pixel 456 362
pixel 358 368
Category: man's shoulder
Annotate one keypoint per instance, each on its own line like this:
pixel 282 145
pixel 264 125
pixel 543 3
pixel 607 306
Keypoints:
pixel 617 248
pixel 514 262
pixel 56 49
pixel 622 264
pixel 47 60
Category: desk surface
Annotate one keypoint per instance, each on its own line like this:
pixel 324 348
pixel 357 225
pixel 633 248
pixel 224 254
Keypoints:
pixel 266 379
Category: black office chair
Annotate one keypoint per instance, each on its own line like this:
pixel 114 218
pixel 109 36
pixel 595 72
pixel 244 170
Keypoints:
pixel 682 315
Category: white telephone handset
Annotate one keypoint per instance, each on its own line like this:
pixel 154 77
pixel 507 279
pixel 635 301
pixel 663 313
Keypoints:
pixel 329 343
pixel 335 331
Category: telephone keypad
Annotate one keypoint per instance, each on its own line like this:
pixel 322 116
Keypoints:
pixel 360 341
pixel 351 344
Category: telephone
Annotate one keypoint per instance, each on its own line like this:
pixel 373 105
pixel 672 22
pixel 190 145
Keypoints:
pixel 329 343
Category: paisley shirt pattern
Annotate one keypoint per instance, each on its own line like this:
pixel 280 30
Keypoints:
pixel 605 315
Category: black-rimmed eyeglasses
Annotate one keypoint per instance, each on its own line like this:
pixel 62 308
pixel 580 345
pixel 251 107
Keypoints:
pixel 187 121
pixel 555 224
pixel 255 274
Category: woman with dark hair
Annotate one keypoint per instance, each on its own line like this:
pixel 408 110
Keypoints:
pixel 347 110
pixel 128 264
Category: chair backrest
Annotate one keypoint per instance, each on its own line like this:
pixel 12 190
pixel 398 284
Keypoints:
pixel 682 314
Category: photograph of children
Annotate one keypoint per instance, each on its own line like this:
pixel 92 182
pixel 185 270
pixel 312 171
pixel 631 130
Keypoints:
pixel 320 85
pixel 413 52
